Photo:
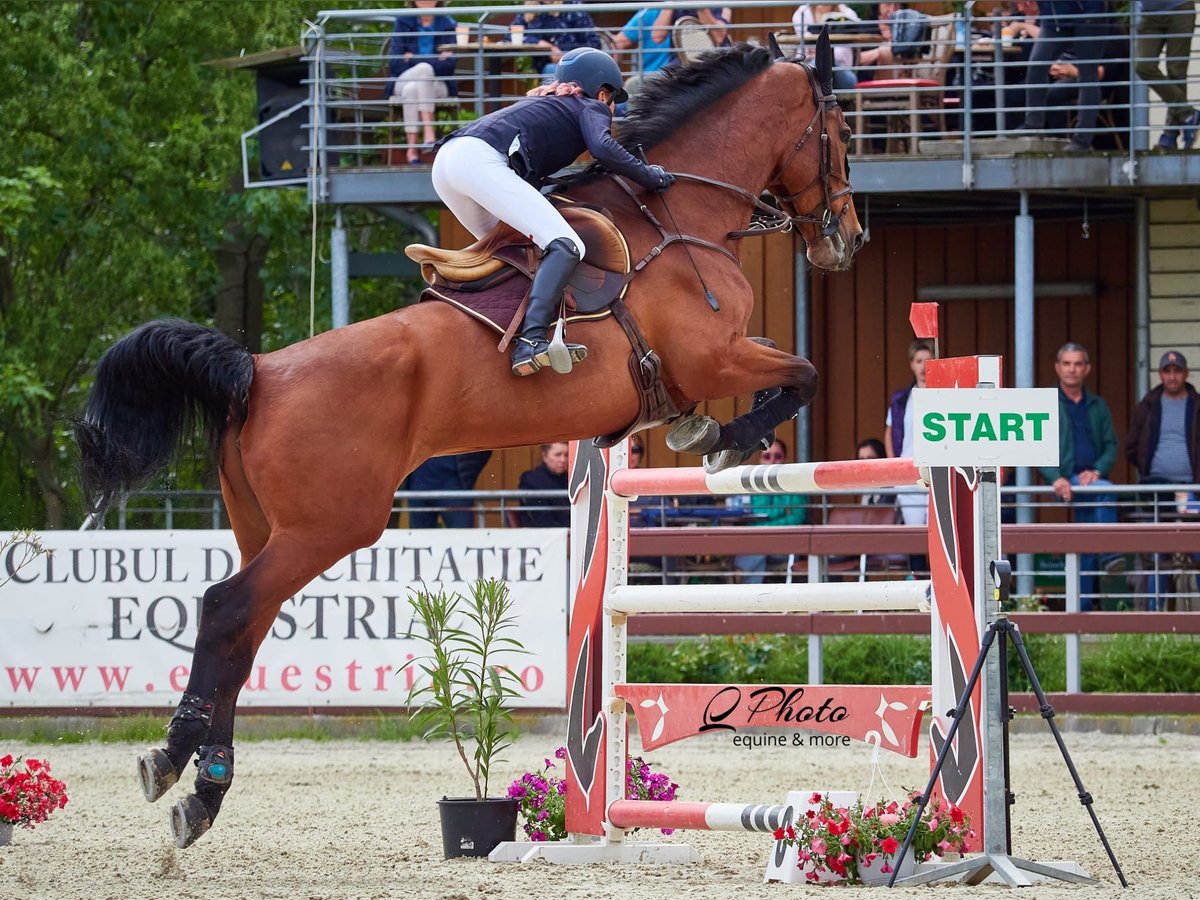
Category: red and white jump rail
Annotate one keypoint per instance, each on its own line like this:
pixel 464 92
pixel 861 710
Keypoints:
pixel 788 478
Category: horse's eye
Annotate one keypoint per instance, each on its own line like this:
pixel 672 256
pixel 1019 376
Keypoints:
pixel 845 134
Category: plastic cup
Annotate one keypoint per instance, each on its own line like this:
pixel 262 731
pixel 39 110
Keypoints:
pixel 1181 501
pixel 518 34
pixel 462 34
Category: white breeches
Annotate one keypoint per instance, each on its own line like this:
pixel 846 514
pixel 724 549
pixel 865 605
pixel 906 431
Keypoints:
pixel 474 181
pixel 418 91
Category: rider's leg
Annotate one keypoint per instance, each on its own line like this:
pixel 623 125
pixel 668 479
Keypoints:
pixel 531 348
pixel 476 183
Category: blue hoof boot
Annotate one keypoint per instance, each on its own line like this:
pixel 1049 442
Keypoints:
pixel 215 765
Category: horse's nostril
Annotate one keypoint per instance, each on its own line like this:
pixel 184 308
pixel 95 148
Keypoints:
pixel 858 241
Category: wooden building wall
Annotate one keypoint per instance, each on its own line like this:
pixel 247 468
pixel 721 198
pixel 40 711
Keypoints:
pixel 859 322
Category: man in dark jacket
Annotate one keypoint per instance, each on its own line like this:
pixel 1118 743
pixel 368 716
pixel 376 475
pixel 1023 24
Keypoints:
pixel 1087 444
pixel 1164 440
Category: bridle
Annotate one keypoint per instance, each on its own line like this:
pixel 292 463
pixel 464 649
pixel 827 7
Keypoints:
pixel 769 219
pixel 823 214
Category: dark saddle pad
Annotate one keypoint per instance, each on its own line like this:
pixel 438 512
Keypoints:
pixel 490 279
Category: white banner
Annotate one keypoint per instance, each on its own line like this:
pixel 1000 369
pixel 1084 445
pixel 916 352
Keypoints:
pixel 985 427
pixel 109 619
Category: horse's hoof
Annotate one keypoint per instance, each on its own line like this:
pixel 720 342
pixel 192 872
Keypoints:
pixel 695 434
pixel 155 773
pixel 725 459
pixel 189 820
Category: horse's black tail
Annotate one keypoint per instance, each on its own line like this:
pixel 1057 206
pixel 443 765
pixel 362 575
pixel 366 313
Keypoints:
pixel 151 387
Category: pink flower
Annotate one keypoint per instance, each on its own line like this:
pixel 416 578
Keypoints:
pixel 818 846
pixel 888 818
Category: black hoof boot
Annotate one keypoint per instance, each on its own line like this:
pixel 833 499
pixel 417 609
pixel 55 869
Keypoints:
pixel 189 821
pixel 156 773
pixel 158 770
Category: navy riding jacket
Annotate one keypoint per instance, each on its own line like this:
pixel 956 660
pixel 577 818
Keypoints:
pixel 541 135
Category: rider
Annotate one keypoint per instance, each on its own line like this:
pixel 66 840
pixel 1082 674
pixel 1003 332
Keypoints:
pixel 490 170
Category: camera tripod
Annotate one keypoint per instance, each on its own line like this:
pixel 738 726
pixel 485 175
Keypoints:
pixel 997 856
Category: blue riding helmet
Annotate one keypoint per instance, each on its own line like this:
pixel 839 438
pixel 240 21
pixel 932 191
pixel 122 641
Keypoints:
pixel 591 69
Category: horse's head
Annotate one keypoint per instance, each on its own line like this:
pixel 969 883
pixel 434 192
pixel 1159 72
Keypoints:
pixel 812 178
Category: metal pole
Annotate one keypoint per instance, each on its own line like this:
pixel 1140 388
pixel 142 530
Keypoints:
pixel 339 265
pixel 1141 288
pixel 1023 362
pixel 1072 605
pixel 803 304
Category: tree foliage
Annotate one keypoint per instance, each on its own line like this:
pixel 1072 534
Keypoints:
pixel 121 180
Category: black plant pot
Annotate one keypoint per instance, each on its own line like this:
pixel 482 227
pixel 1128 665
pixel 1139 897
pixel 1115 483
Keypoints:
pixel 473 827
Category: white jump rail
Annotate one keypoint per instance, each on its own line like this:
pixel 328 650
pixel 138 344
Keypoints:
pixel 889 596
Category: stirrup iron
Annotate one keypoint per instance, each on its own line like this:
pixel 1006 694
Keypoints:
pixel 560 356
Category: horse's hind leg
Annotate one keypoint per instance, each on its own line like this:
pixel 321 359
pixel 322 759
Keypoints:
pixel 235 618
pixel 781 383
pixel 159 769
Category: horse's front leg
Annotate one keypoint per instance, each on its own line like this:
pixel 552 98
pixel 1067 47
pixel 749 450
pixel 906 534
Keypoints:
pixel 781 383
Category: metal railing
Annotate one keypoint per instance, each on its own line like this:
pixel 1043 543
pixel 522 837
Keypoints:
pixel 908 106
pixel 1144 581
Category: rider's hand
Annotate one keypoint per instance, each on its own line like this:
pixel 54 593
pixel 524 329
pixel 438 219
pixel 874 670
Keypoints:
pixel 663 178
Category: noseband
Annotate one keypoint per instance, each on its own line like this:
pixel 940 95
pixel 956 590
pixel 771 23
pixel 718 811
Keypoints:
pixel 823 215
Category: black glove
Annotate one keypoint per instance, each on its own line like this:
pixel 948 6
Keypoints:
pixel 662 178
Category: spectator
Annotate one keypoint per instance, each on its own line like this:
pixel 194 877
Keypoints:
pixel 1168 24
pixel 1078 25
pixel 420 73
pixel 456 472
pixel 898 429
pixel 1022 21
pixel 1064 92
pixel 872 448
pixel 557 33
pixel 1087 452
pixel 1164 440
pixel 649 32
pixel 808 14
pixel 550 475
pixel 773 510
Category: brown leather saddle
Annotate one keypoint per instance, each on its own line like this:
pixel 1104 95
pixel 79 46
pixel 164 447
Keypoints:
pixel 490 279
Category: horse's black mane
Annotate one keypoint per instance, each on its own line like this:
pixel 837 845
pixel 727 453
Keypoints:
pixel 668 99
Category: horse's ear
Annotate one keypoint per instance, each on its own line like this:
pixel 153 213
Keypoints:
pixel 824 61
pixel 776 53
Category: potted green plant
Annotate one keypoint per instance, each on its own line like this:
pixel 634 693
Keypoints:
pixel 463 698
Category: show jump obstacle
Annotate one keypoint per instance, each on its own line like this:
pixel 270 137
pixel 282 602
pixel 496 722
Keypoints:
pixel 963 539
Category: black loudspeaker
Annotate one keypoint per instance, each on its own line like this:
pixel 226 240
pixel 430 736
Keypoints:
pixel 281 146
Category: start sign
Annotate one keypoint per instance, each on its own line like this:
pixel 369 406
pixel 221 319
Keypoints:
pixel 985 427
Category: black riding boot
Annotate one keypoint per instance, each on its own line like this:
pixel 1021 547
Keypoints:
pixel 531 349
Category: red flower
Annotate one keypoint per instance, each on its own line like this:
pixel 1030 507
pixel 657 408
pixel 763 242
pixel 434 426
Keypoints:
pixel 888 845
pixel 778 834
pixel 956 815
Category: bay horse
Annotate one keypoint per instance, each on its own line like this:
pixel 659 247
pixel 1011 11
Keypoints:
pixel 347 414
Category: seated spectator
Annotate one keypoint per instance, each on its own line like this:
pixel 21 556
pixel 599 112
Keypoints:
pixel 549 475
pixel 872 448
pixel 1021 21
pixel 1065 91
pixel 773 510
pixel 456 472
pixel 807 14
pixel 1078 25
pixel 557 33
pixel 898 429
pixel 649 32
pixel 421 74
